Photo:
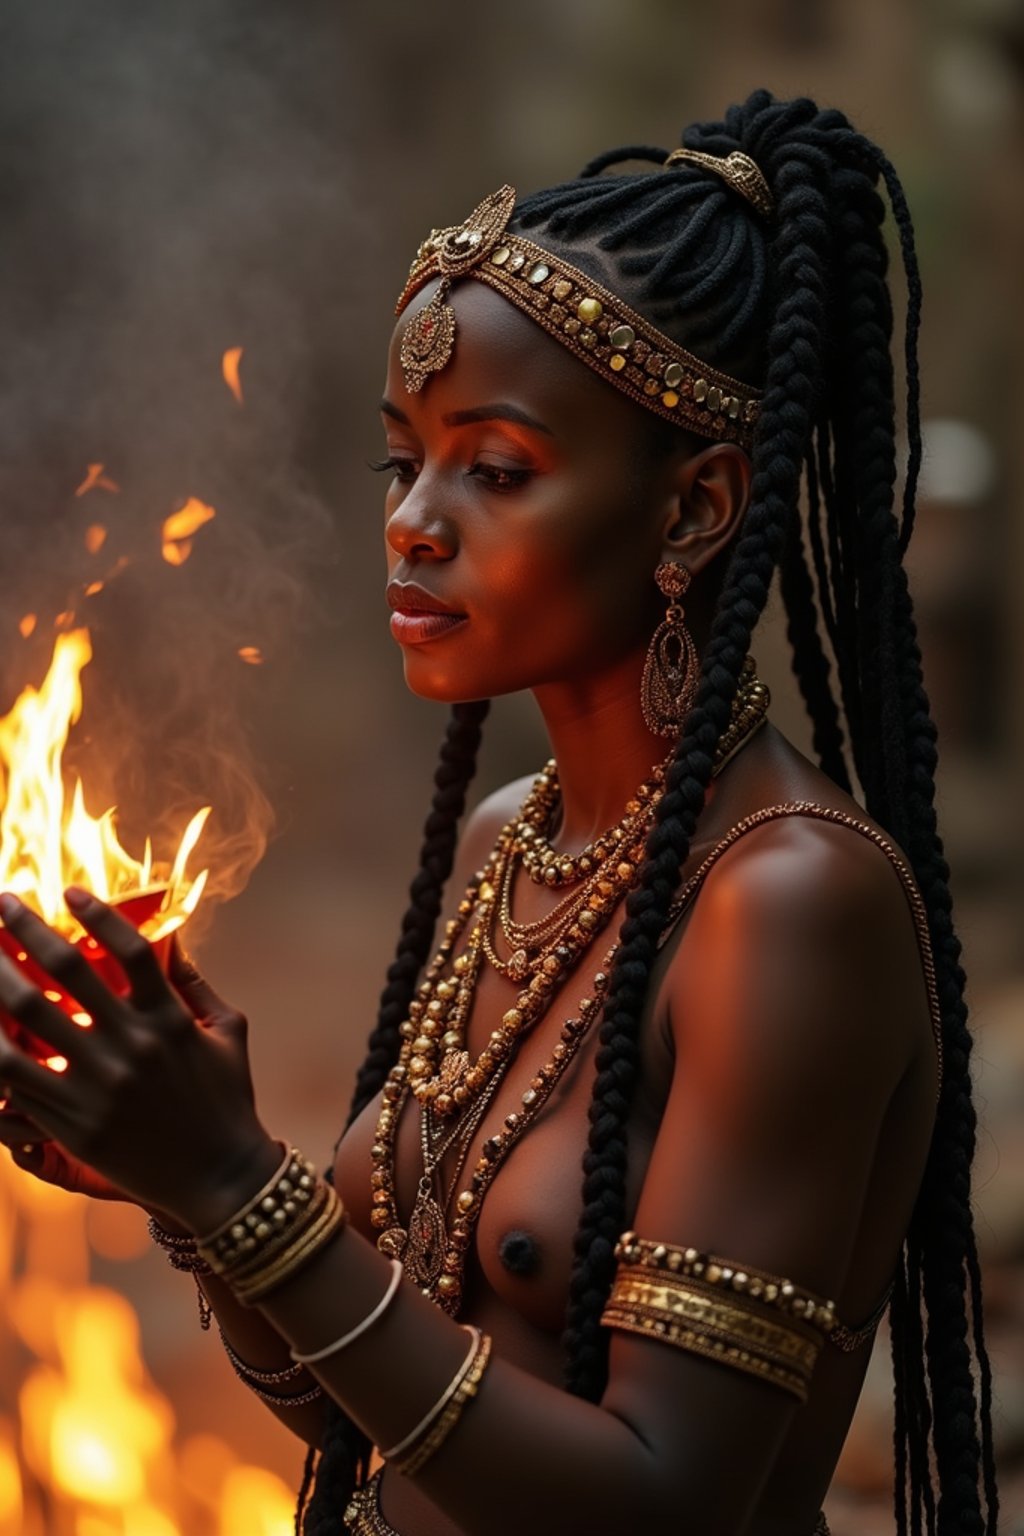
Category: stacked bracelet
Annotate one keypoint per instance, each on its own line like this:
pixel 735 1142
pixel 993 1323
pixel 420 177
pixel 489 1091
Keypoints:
pixel 180 1249
pixel 258 1380
pixel 277 1232
pixel 184 1255
pixel 435 1427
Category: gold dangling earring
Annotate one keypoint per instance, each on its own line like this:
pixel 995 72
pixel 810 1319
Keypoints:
pixel 672 666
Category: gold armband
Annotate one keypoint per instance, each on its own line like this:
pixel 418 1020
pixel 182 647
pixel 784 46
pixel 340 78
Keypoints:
pixel 743 1317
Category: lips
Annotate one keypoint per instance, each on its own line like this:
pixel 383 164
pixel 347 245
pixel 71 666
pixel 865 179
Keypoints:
pixel 407 597
pixel 418 616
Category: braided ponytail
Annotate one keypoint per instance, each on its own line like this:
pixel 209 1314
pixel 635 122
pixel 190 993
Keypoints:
pixel 803 305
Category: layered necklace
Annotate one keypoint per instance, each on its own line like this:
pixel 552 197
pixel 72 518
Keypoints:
pixel 434 1066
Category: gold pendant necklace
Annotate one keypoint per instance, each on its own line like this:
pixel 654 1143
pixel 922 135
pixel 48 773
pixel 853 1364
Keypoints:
pixel 434 1064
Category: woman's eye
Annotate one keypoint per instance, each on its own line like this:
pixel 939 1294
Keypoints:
pixel 405 469
pixel 496 478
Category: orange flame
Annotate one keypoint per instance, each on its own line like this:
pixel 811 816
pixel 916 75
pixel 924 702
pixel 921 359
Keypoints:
pixel 95 538
pixel 95 479
pixel 179 528
pixel 46 843
pixel 251 654
pixel 27 625
pixel 229 367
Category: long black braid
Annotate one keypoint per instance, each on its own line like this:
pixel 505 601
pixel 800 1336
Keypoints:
pixel 800 306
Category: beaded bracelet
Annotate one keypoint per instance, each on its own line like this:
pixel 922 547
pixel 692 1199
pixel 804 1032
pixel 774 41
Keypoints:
pixel 273 1208
pixel 259 1380
pixel 278 1231
pixel 180 1249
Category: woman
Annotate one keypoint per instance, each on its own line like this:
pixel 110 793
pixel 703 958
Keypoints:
pixel 708 979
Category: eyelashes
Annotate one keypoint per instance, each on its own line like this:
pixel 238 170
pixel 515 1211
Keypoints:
pixel 493 476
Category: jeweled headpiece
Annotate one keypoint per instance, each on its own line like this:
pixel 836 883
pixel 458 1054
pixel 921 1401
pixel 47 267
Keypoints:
pixel 596 326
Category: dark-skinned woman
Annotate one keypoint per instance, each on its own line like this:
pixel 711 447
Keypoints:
pixel 668 1098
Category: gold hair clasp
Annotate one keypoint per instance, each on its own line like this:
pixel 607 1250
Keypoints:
pixel 737 169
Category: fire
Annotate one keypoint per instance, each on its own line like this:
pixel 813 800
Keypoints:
pixel 89 1445
pixel 251 655
pixel 229 367
pixel 49 840
pixel 95 479
pixel 26 625
pixel 179 528
pixel 95 538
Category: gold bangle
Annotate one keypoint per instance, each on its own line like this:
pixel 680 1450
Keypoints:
pixel 279 1204
pixel 445 1398
pixel 307 1244
pixel 470 1376
pixel 266 1251
pixel 736 1331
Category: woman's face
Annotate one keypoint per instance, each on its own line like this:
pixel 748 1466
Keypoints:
pixel 525 500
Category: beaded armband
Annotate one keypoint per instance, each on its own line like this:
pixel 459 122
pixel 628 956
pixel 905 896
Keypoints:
pixel 743 1317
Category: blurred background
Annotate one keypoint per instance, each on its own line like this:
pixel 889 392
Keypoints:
pixel 180 182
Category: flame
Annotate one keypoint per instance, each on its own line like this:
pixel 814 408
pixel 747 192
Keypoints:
pixel 48 841
pixel 27 625
pixel 229 367
pixel 96 479
pixel 251 654
pixel 95 538
pixel 179 528
pixel 93 587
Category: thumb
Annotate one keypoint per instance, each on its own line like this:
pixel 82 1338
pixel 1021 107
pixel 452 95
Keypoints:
pixel 206 1005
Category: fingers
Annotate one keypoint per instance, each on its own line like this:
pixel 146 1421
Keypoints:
pixel 123 940
pixel 18 1129
pixel 31 1008
pixel 29 1088
pixel 60 960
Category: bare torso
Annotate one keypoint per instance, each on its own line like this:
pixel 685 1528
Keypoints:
pixel 533 1204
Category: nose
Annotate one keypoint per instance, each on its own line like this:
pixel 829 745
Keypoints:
pixel 416 529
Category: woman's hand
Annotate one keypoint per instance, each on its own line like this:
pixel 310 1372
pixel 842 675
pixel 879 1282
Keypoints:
pixel 156 1104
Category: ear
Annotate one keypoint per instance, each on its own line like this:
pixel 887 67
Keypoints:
pixel 709 496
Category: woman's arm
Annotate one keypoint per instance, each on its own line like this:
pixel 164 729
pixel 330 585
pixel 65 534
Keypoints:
pixel 789 1012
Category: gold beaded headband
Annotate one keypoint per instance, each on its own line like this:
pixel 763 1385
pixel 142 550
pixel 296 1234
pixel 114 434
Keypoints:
pixel 596 326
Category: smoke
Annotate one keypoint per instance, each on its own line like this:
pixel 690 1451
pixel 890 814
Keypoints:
pixel 172 184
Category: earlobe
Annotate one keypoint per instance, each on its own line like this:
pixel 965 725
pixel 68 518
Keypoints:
pixel 711 495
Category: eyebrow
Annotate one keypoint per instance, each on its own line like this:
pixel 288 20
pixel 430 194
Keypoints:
pixel 499 411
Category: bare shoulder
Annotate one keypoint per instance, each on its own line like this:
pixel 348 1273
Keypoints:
pixel 808 921
pixel 480 832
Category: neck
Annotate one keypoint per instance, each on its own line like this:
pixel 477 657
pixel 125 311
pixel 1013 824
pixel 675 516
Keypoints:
pixel 602 746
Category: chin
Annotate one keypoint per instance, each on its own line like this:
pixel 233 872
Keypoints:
pixel 454 685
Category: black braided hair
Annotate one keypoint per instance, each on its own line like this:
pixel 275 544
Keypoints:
pixel 800 306
pixel 345 1449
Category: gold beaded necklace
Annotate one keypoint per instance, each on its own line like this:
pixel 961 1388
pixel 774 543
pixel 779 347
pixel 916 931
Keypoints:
pixel 434 1065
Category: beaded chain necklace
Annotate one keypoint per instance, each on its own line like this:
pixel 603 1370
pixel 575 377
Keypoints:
pixel 434 1066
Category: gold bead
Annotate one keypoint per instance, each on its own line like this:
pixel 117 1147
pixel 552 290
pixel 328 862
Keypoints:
pixel 466 1201
pixel 670 398
pixel 590 310
pixel 617 362
pixel 448 1285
